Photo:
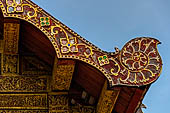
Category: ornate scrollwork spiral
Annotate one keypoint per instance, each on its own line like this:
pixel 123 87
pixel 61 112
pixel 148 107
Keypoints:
pixel 141 60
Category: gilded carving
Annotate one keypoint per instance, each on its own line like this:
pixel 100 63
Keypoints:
pixel 23 101
pixel 11 37
pixel 17 6
pixel 71 44
pixel 68 45
pixel 10 64
pixel 23 111
pixel 131 66
pixel 141 61
pixel 56 29
pixel 115 68
pixel 82 109
pixel 58 103
pixel 103 60
pixel 107 100
pixel 23 83
pixel 62 76
pixel 31 65
pixel 45 21
pixel 14 6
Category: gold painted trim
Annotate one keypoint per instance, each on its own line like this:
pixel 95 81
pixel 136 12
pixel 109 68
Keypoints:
pixel 19 107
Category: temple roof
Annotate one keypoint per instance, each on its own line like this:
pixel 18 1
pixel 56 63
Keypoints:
pixel 137 64
pixel 129 71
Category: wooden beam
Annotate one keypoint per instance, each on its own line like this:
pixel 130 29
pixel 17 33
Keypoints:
pixel 107 100
pixel 136 100
pixel 32 65
pixel 62 74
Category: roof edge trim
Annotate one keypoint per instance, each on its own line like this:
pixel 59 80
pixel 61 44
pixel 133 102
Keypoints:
pixel 137 64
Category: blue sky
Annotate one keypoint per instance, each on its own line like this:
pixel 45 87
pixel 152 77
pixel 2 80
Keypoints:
pixel 110 23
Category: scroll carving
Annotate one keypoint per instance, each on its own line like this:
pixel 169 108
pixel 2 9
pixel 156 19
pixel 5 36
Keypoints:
pixel 141 61
pixel 62 75
pixel 138 63
pixel 23 101
pixel 23 84
pixel 58 103
pixel 19 6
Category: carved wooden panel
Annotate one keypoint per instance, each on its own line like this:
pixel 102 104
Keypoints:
pixel 107 100
pixel 24 83
pixel 10 64
pixel 58 103
pixel 31 65
pixel 62 74
pixel 23 111
pixel 23 101
pixel 11 37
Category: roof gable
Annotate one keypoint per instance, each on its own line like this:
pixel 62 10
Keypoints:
pixel 137 64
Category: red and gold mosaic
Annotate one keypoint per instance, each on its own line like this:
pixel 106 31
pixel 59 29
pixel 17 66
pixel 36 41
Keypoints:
pixel 137 64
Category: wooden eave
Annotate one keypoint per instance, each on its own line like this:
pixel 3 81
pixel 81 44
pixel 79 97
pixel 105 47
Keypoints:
pixel 92 66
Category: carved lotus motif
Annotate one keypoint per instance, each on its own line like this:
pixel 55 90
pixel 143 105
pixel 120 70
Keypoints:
pixel 134 60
